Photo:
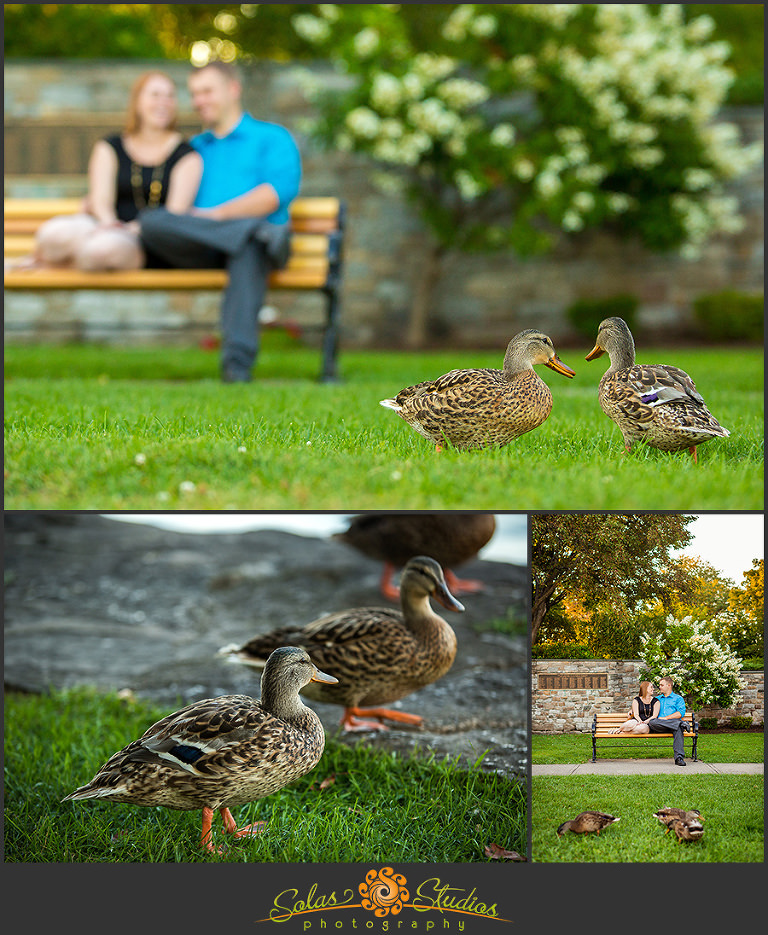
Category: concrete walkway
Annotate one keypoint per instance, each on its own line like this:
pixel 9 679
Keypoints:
pixel 644 768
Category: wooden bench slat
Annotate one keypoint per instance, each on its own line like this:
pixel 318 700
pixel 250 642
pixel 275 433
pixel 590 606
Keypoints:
pixel 315 208
pixel 22 225
pixel 49 278
pixel 40 207
pixel 302 245
pixel 314 225
pixel 607 733
pixel 300 208
pixel 133 280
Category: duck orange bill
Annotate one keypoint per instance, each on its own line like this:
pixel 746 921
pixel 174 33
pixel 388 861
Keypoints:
pixel 596 351
pixel 556 364
pixel 322 677
pixel 444 596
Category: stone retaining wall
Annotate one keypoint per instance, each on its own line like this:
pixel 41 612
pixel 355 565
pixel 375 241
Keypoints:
pixel 481 301
pixel 555 710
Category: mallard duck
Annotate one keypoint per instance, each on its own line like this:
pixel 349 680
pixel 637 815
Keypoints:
pixel 450 538
pixel 587 822
pixel 379 654
pixel 221 752
pixel 667 815
pixel 687 829
pixel 477 408
pixel 657 404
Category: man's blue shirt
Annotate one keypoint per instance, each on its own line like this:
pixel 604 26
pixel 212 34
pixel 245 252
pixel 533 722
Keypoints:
pixel 670 703
pixel 252 153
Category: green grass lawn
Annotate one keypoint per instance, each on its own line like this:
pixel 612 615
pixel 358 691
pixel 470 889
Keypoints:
pixel 732 807
pixel 712 748
pixel 146 429
pixel 357 805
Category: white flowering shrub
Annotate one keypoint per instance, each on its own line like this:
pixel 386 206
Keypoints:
pixel 704 671
pixel 744 635
pixel 523 121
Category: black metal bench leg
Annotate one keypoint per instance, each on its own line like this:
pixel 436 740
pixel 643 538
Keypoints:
pixel 331 337
pixel 594 749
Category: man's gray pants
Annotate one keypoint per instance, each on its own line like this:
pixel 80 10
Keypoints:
pixel 248 248
pixel 657 725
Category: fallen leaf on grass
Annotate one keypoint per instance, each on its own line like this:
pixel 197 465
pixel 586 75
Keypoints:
pixel 328 781
pixel 495 852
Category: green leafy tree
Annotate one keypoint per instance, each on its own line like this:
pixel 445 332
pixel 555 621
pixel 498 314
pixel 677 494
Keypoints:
pixel 82 31
pixel 741 625
pixel 690 587
pixel 704 671
pixel 519 124
pixel 601 559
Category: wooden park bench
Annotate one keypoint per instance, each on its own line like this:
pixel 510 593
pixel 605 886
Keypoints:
pixel 603 726
pixel 315 261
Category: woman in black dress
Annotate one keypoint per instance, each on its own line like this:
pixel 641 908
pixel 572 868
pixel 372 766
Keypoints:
pixel 644 706
pixel 147 165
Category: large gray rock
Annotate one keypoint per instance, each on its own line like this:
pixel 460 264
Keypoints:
pixel 118 606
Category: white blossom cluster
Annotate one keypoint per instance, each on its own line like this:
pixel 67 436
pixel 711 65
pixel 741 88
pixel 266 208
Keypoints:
pixel 554 14
pixel 312 28
pixel 650 69
pixel 408 114
pixel 699 665
pixel 466 21
pixel 645 73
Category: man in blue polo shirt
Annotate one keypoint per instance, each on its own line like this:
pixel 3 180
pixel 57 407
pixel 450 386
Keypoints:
pixel 670 718
pixel 251 173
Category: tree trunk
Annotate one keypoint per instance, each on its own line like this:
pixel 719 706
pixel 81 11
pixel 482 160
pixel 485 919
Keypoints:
pixel 541 605
pixel 423 294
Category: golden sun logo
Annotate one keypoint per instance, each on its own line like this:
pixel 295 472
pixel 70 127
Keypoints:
pixel 384 892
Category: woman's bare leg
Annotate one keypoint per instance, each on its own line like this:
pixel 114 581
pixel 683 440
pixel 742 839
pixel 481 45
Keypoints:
pixel 110 248
pixel 625 727
pixel 58 239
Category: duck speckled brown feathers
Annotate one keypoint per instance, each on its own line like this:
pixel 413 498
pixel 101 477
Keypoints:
pixel 686 829
pixel 668 815
pixel 221 752
pixel 656 404
pixel 587 823
pixel 451 538
pixel 482 407
pixel 379 654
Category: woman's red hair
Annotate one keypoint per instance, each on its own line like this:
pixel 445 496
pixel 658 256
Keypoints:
pixel 132 119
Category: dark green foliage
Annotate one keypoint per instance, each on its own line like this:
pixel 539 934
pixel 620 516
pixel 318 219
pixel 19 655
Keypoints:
pixel 162 30
pixel 753 664
pixel 730 316
pixel 614 635
pixel 742 26
pixel 738 722
pixel 586 314
pixel 708 723
pixel 553 650
pixel 82 31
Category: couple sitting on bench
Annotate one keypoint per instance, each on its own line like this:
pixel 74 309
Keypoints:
pixel 219 201
pixel 658 714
